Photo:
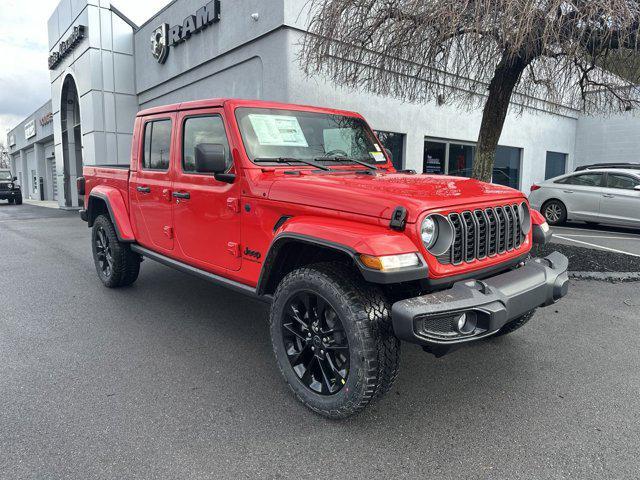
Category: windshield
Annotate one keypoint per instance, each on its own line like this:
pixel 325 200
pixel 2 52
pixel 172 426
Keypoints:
pixel 5 176
pixel 290 134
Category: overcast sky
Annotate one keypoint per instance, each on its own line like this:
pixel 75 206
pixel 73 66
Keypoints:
pixel 24 77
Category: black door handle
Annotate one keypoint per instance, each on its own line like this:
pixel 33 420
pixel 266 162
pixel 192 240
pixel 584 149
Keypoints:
pixel 144 189
pixel 185 195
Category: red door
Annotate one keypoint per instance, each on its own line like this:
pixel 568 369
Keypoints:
pixel 150 184
pixel 207 223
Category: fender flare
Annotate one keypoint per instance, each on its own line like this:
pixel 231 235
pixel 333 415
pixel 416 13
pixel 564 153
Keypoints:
pixel 351 244
pixel 117 211
pixel 540 229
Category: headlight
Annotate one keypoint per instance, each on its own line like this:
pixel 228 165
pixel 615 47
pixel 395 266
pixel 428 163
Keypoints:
pixel 436 232
pixel 391 262
pixel 429 232
pixel 11 186
pixel 525 217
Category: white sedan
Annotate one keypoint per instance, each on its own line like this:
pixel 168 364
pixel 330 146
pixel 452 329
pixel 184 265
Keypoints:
pixel 609 196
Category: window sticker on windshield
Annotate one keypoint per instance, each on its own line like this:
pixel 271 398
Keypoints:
pixel 378 156
pixel 278 130
pixel 377 147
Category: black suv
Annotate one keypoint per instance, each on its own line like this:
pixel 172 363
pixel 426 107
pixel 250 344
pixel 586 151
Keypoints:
pixel 9 190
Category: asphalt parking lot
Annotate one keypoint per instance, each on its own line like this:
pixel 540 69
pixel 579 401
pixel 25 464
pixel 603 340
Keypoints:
pixel 613 239
pixel 174 378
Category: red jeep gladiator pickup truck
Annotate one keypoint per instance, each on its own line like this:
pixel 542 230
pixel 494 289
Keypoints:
pixel 301 207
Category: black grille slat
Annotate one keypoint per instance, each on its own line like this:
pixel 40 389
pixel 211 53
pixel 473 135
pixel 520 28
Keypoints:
pixel 470 237
pixel 479 234
pixel 483 233
pixel 510 230
pixel 458 240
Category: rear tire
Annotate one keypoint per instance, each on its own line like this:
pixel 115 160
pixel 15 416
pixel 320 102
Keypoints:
pixel 328 307
pixel 514 325
pixel 555 212
pixel 116 264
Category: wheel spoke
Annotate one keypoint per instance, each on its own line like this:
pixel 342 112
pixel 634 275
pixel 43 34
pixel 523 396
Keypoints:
pixel 327 383
pixel 294 313
pixel 289 328
pixel 297 357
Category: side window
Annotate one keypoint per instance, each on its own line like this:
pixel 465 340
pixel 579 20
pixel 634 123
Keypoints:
pixel 585 180
pixel 624 182
pixel 197 130
pixel 157 143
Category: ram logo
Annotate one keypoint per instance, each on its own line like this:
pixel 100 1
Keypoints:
pixel 160 43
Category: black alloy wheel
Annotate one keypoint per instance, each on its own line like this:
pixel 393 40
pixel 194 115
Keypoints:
pixel 316 343
pixel 104 255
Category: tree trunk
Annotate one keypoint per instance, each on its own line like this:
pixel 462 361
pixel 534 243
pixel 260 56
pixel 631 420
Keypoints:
pixel 494 114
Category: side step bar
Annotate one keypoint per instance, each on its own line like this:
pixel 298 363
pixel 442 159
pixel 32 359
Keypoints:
pixel 211 277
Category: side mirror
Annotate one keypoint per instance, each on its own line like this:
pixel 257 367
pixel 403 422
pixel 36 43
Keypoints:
pixel 15 179
pixel 211 158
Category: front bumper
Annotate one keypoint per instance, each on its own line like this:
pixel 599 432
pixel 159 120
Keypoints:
pixel 9 194
pixel 433 320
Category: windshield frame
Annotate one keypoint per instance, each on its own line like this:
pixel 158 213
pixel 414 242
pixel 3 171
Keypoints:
pixel 290 110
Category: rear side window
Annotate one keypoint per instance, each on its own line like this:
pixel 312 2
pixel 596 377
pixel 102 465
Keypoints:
pixel 624 182
pixel 157 145
pixel 585 180
pixel 205 129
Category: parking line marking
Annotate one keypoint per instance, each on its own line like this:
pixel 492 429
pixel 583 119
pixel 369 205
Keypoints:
pixel 567 229
pixel 597 246
pixel 599 236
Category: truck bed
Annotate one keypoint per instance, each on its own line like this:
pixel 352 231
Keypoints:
pixel 116 176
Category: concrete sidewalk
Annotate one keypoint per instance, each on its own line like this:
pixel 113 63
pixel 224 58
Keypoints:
pixel 42 203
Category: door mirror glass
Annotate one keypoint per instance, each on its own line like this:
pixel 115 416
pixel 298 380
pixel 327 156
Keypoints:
pixel 210 158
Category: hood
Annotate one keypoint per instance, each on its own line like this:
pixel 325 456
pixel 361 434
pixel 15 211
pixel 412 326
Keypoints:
pixel 379 194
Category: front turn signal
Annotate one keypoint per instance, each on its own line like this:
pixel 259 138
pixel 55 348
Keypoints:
pixel 390 262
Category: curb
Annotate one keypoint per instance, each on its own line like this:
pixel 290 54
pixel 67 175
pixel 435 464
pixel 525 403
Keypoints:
pixel 613 277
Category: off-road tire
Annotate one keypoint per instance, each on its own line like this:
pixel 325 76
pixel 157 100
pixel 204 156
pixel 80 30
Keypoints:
pixel 11 201
pixel 126 264
pixel 17 200
pixel 561 212
pixel 514 325
pixel 364 312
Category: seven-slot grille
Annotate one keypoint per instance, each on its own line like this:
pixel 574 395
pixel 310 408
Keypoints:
pixel 479 234
pixel 4 186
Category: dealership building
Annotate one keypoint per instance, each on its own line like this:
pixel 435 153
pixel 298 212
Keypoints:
pixel 104 69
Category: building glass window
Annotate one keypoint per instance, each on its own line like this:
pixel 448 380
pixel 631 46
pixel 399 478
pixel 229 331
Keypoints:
pixel 556 165
pixel 506 170
pixel 394 143
pixel 456 158
pixel 461 159
pixel 157 141
pixel 435 158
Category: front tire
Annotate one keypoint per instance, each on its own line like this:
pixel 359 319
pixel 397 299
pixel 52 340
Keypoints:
pixel 18 200
pixel 116 264
pixel 555 212
pixel 332 338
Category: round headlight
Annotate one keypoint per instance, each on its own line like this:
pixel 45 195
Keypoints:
pixel 525 217
pixel 429 232
pixel 11 186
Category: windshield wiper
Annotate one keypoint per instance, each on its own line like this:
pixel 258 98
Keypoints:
pixel 289 161
pixel 348 159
